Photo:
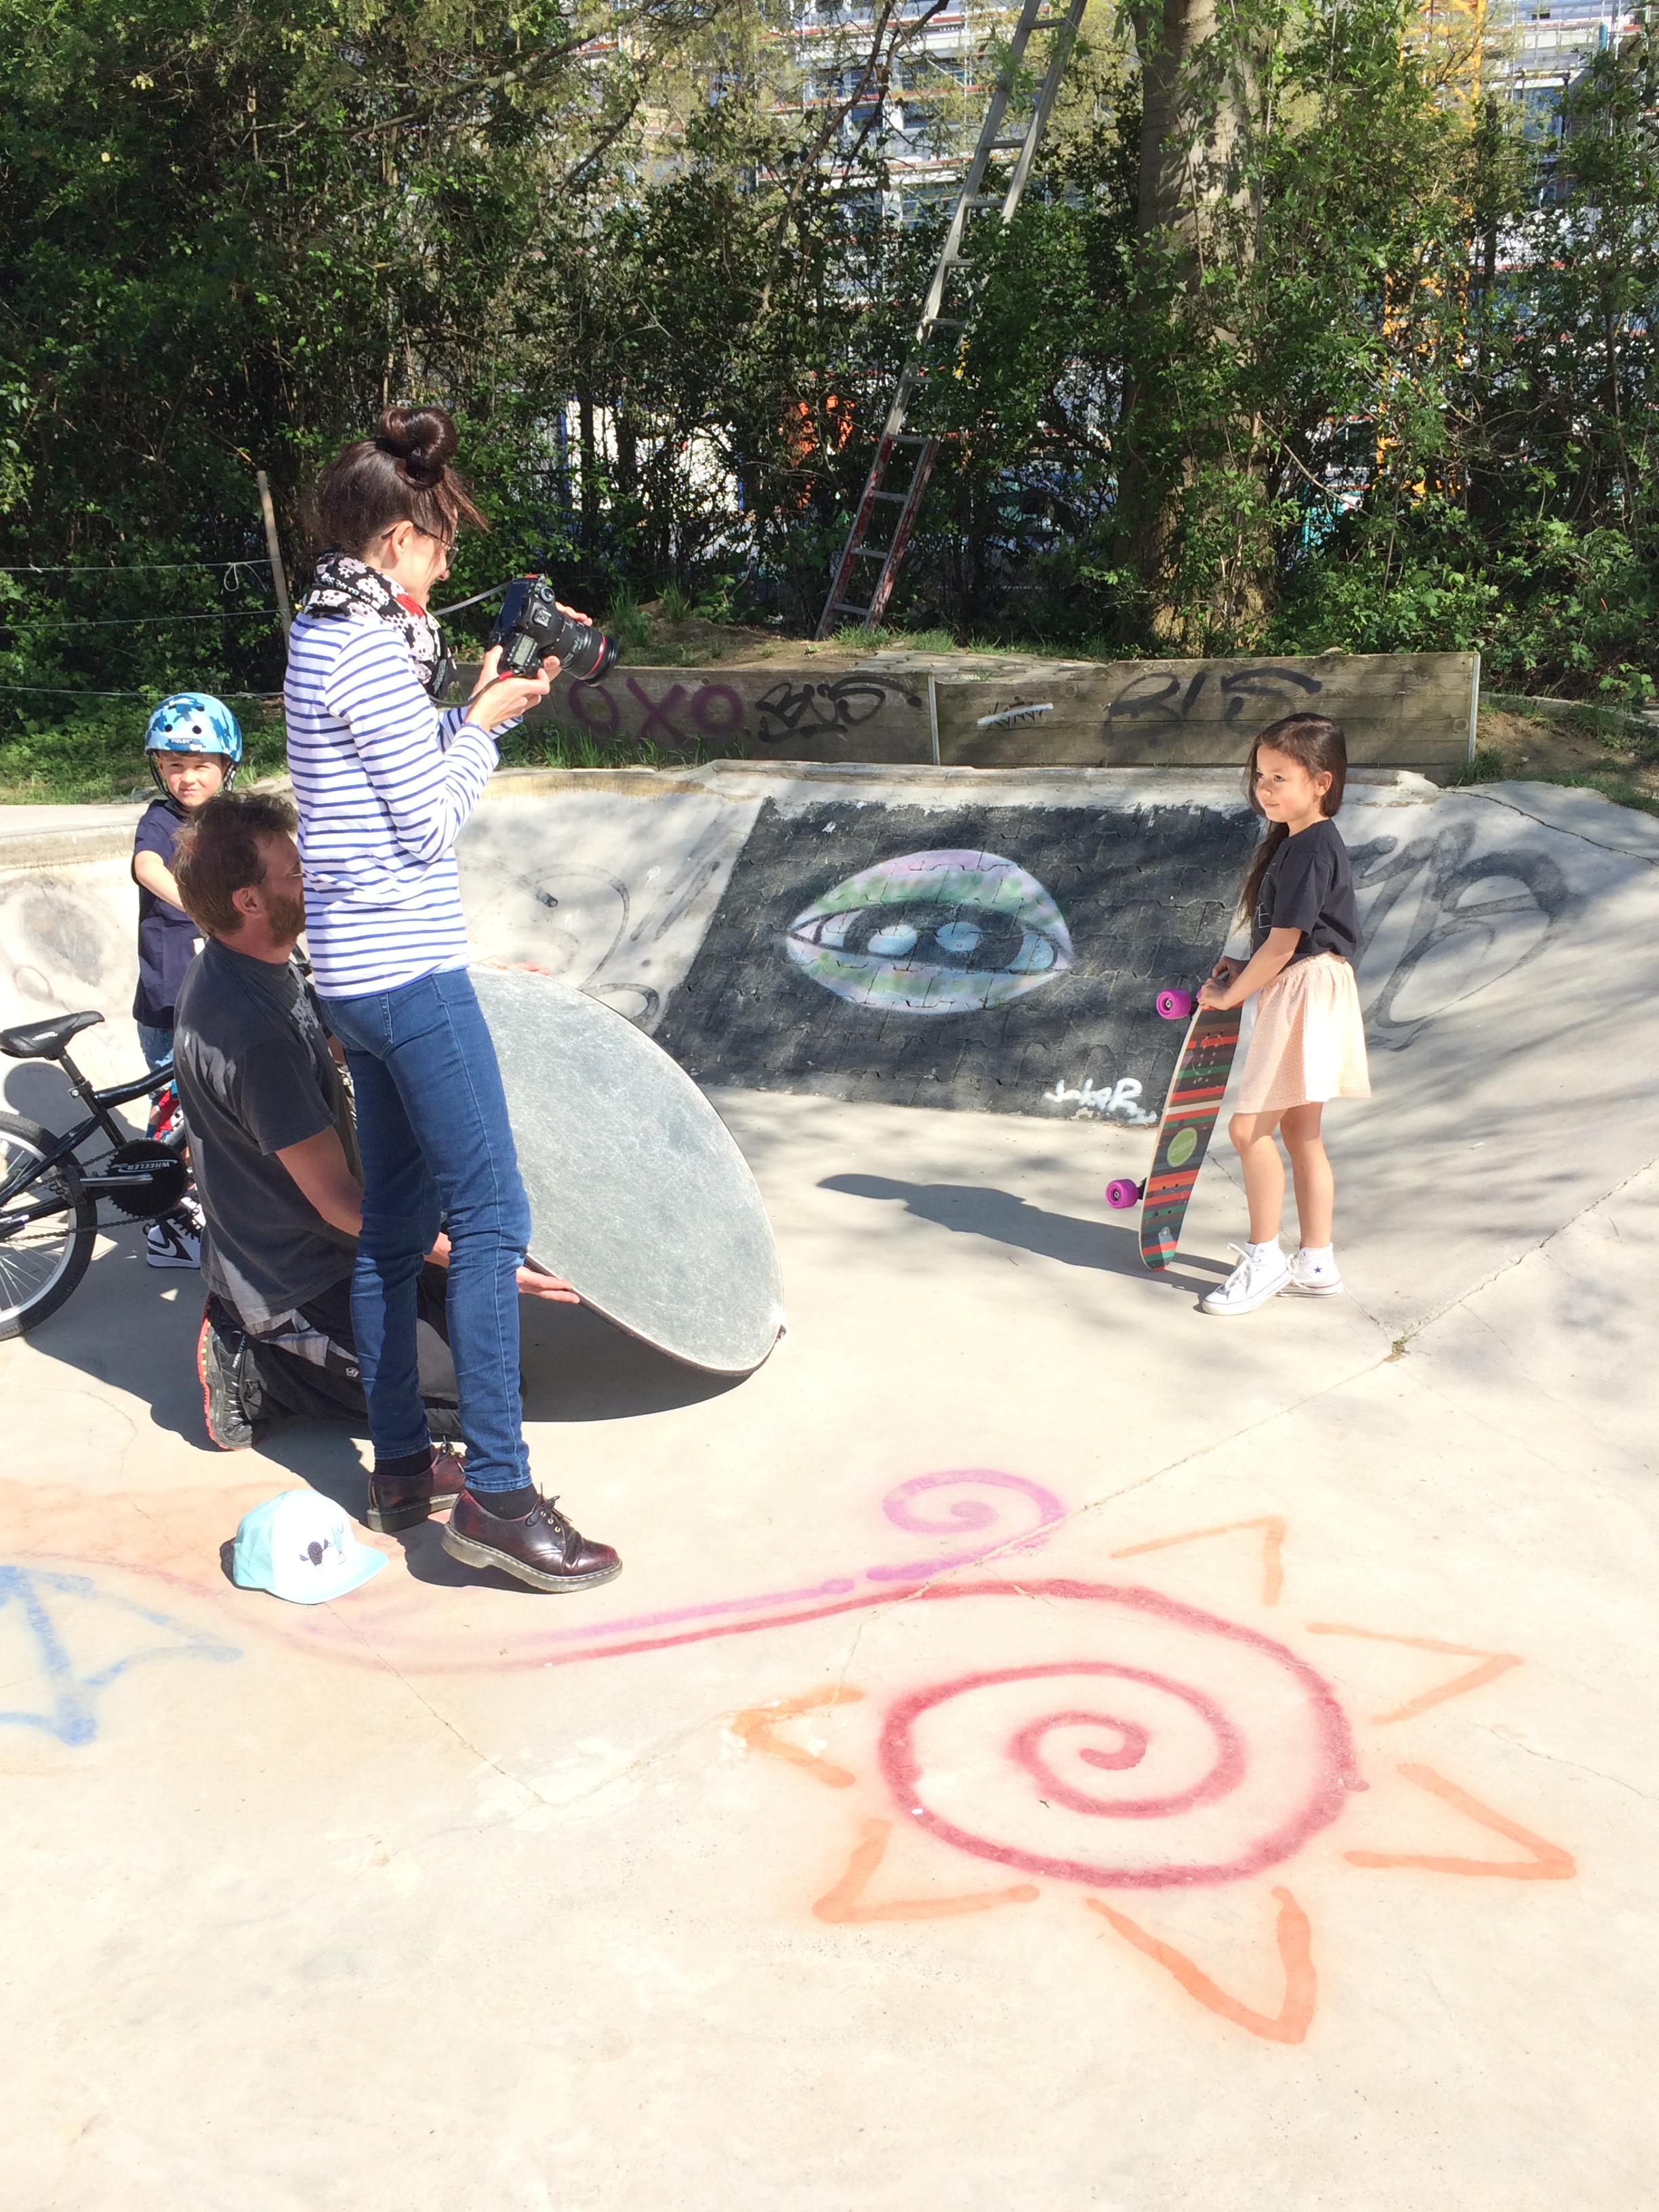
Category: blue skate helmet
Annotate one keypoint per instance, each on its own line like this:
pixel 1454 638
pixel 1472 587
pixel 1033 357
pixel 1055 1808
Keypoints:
pixel 193 722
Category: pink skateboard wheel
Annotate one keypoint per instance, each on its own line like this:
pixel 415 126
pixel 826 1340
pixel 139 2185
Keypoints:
pixel 1121 1193
pixel 1175 1005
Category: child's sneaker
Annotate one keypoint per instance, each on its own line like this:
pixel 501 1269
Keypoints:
pixel 1262 1272
pixel 1314 1272
pixel 174 1241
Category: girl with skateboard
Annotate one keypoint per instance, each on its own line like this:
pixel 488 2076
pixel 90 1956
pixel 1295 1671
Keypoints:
pixel 1309 1041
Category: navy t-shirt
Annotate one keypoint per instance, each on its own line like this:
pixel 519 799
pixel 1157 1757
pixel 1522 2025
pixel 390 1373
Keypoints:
pixel 167 935
pixel 1309 886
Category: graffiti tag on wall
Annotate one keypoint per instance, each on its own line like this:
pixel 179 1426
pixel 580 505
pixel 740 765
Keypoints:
pixel 1169 698
pixel 651 706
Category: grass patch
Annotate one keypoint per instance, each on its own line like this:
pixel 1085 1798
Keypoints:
pixel 627 620
pixel 546 745
pixel 97 755
pixel 1488 766
pixel 912 641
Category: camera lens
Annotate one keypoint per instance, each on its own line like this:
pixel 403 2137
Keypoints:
pixel 586 653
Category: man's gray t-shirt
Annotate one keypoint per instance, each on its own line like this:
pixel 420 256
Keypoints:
pixel 255 1075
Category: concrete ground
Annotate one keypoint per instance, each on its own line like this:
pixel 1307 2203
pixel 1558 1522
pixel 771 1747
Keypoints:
pixel 1049 1749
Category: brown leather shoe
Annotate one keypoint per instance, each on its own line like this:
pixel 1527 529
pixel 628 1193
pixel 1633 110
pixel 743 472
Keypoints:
pixel 543 1549
pixel 398 1501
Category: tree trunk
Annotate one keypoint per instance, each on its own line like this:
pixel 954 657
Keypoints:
pixel 1199 103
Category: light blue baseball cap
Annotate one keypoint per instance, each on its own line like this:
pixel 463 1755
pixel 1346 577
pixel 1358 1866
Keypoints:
pixel 300 1546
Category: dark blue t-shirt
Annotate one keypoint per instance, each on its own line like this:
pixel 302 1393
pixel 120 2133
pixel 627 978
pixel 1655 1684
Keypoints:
pixel 167 936
pixel 1309 886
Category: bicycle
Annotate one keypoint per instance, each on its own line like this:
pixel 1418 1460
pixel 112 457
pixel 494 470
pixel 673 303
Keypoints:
pixel 50 1198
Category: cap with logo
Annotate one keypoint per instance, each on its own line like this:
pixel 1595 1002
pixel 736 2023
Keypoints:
pixel 300 1546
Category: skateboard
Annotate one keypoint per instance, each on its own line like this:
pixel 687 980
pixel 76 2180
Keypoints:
pixel 1189 1123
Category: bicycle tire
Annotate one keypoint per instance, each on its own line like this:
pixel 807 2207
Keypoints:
pixel 20 1313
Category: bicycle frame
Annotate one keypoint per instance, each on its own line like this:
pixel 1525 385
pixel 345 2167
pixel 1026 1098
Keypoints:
pixel 99 1120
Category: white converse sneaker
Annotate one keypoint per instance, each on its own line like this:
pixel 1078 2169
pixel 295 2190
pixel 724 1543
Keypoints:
pixel 1314 1274
pixel 1259 1276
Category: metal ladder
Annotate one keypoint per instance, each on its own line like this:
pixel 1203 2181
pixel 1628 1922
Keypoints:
pixel 971 200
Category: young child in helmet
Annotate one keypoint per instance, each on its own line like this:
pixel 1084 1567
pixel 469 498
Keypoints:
pixel 192 744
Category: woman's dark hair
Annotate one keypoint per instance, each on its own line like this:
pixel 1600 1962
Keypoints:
pixel 1315 743
pixel 402 474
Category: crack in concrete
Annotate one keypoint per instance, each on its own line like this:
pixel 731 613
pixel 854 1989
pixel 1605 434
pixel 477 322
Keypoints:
pixel 1451 1305
pixel 442 1719
pixel 1585 1417
pixel 554 1805
pixel 1619 852
pixel 1559 1758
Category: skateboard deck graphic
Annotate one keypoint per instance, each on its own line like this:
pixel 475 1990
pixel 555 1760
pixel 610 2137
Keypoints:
pixel 1187 1124
pixel 1184 1133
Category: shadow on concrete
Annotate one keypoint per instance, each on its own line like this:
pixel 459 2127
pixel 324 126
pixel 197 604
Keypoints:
pixel 428 1562
pixel 40 1091
pixel 977 1210
pixel 576 1366
pixel 135 1327
pixel 579 1367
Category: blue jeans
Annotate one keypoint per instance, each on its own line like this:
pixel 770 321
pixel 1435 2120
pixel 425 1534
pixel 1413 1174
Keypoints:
pixel 157 1045
pixel 436 1147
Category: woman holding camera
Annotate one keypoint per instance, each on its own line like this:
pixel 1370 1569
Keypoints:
pixel 384 781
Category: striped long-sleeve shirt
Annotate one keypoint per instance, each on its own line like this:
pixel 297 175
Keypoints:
pixel 384 782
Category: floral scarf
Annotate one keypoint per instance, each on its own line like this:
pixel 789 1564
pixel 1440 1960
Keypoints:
pixel 351 587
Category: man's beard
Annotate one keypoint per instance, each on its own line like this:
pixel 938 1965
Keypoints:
pixel 286 916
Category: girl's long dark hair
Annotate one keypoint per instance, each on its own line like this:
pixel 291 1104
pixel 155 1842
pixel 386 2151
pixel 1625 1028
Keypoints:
pixel 1315 743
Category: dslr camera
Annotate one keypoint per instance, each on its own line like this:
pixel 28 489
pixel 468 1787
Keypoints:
pixel 530 625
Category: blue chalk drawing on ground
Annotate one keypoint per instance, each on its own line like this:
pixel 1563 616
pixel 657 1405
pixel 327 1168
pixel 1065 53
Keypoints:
pixel 69 1710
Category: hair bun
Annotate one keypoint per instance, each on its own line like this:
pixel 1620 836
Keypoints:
pixel 422 439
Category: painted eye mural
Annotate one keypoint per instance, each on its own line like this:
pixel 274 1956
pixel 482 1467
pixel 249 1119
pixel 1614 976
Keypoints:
pixel 933 933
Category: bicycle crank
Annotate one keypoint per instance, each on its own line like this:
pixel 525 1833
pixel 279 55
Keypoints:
pixel 144 1179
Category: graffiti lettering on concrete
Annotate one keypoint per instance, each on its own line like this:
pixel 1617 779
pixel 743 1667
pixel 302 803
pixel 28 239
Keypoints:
pixel 945 933
pixel 811 710
pixel 77 1639
pixel 1112 1101
pixel 1442 924
pixel 678 717
pixel 1168 699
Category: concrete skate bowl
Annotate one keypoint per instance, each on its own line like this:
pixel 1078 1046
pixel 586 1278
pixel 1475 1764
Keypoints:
pixel 995 942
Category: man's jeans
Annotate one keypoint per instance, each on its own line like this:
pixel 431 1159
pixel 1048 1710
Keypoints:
pixel 433 1130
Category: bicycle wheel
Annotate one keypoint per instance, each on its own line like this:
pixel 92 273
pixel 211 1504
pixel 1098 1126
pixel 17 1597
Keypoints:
pixel 42 1260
